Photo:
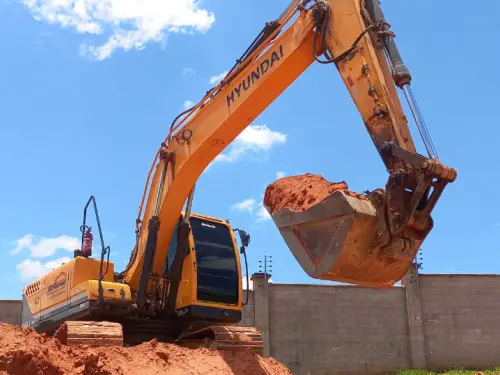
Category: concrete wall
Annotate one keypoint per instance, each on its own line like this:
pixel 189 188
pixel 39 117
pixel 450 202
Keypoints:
pixel 432 321
pixel 318 329
pixel 248 319
pixel 461 320
pixel 10 312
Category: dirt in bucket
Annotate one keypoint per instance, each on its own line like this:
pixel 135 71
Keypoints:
pixel 298 193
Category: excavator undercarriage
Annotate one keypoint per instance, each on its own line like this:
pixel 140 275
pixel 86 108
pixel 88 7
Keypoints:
pixel 105 333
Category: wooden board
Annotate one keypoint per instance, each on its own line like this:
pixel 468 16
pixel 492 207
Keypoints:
pixel 92 333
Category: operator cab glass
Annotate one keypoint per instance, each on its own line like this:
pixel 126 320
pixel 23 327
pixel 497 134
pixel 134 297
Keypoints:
pixel 217 270
pixel 216 262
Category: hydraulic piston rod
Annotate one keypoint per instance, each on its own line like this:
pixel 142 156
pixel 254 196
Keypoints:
pixel 401 73
pixel 419 120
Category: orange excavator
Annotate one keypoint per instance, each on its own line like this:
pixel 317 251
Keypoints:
pixel 184 282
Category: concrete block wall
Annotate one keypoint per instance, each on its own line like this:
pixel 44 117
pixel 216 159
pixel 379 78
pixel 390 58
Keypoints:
pixel 461 315
pixel 248 315
pixel 10 312
pixel 324 330
pixel 432 321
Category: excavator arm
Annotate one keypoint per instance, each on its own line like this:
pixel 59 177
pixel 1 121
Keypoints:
pixel 353 36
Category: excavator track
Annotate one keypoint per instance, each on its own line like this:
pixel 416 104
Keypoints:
pixel 103 333
pixel 233 338
pixel 90 333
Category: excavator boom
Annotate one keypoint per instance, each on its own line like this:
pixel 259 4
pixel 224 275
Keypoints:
pixel 353 36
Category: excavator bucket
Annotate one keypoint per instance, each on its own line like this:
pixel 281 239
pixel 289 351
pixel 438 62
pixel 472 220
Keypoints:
pixel 338 239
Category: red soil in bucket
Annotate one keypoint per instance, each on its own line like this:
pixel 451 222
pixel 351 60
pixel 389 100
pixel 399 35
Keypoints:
pixel 298 193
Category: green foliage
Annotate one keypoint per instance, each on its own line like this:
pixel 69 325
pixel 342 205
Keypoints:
pixel 415 372
pixel 449 372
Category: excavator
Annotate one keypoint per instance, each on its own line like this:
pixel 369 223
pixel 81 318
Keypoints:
pixel 183 282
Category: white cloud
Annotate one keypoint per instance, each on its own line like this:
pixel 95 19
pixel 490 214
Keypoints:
pixel 127 24
pixel 261 136
pixel 214 80
pixel 32 269
pixel 244 283
pixel 280 175
pixel 188 104
pixel 246 205
pixel 255 138
pixel 250 282
pixel 262 213
pixel 22 243
pixel 46 246
pixel 251 205
pixel 188 71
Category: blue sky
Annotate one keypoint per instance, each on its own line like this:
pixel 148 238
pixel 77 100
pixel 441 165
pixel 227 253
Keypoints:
pixel 84 107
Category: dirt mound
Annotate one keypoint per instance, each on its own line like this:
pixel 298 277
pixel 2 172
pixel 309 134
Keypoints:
pixel 24 352
pixel 298 193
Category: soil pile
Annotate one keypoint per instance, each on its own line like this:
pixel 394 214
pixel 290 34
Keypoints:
pixel 298 193
pixel 24 352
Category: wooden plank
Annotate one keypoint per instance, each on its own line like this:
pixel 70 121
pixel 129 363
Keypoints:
pixel 90 333
pixel 79 323
pixel 94 342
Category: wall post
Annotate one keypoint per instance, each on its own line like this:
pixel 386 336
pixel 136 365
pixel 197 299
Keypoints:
pixel 415 318
pixel 261 306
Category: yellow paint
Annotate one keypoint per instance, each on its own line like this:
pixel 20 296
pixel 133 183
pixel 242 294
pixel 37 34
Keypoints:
pixel 68 281
pixel 110 290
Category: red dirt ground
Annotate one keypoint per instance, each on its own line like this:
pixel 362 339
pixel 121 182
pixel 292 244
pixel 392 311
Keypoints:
pixel 24 352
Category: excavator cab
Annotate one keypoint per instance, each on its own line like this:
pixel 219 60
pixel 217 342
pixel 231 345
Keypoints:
pixel 204 270
pixel 209 299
